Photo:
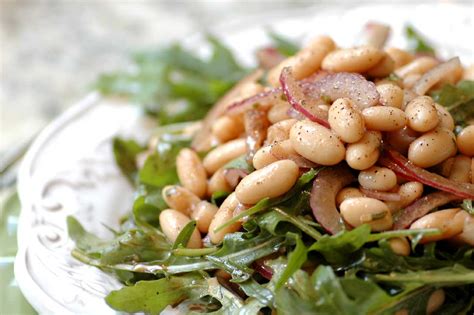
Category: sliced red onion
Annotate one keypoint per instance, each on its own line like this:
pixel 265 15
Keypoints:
pixel 297 99
pixel 354 86
pixel 201 141
pixel 375 34
pixel 269 57
pixel 327 184
pixel 380 195
pixel 421 207
pixel 281 153
pixel 256 125
pixel 234 175
pixel 435 75
pixel 264 98
pixel 402 166
pixel 264 270
pixel 293 113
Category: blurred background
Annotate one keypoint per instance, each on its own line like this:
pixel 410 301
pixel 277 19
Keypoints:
pixel 52 51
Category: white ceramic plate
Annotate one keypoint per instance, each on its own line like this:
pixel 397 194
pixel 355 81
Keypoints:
pixel 69 170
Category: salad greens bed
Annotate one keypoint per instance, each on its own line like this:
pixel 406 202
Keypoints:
pixel 282 259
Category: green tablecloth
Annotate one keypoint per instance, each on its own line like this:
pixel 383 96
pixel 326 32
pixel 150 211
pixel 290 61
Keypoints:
pixel 12 301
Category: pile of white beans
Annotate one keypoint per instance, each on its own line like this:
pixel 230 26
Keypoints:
pixel 412 124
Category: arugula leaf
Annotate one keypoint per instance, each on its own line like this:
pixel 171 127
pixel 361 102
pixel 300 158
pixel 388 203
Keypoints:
pixel 296 259
pixel 382 259
pixel 174 84
pixel 336 248
pixel 240 163
pixel 131 246
pixel 160 167
pixel 416 42
pixel 184 235
pixel 458 100
pixel 154 296
pixel 266 203
pixel 283 45
pixel 467 205
pixel 125 153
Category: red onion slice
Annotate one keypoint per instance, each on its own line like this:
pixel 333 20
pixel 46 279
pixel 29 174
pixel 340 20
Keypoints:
pixel 297 99
pixel 234 175
pixel 401 165
pixel 256 125
pixel 260 267
pixel 375 34
pixel 435 75
pixel 421 207
pixel 281 153
pixel 380 195
pixel 269 57
pixel 354 86
pixel 201 141
pixel 265 98
pixel 327 184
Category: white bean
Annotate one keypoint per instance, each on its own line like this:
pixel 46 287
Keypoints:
pixel 445 118
pixel 172 222
pixel 218 183
pixel 278 112
pixel 390 95
pixel 399 56
pixel 418 66
pixel 465 141
pixel 346 193
pixel 306 61
pixel 422 114
pixel 224 154
pixel 383 68
pixel 401 139
pixel 224 214
pixel 399 246
pixel 226 128
pixel 432 148
pixel 316 143
pixel 361 210
pixel 468 73
pixel 203 213
pixel 263 157
pixel 360 59
pixel 467 234
pixel 191 172
pixel 449 221
pixel 179 198
pixel 346 121
pixel 435 301
pixel 267 182
pixel 408 192
pixel 280 131
pixel 384 118
pixel 365 152
pixel 378 178
pixel 461 169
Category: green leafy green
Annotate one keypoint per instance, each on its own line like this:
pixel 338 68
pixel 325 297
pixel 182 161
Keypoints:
pixel 458 100
pixel 467 205
pixel 416 41
pixel 154 296
pixel 125 153
pixel 266 203
pixel 173 83
pixel 184 235
pixel 296 259
pixel 130 246
pixel 284 46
